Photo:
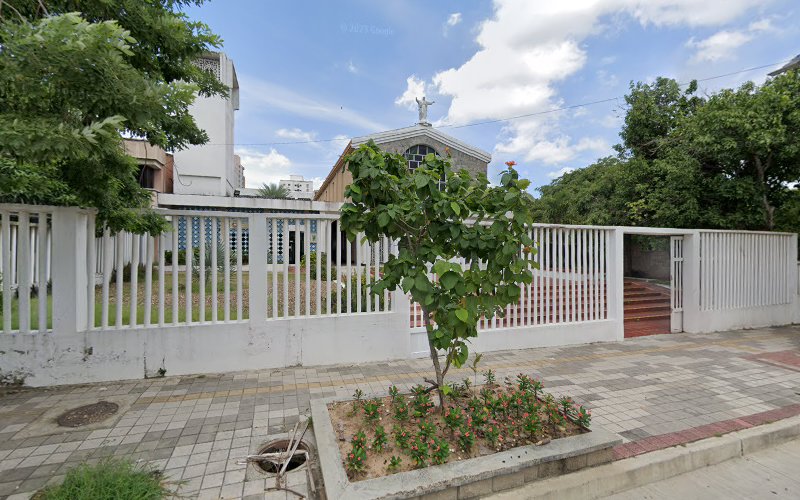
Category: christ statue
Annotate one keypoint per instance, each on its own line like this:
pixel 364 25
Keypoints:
pixel 423 109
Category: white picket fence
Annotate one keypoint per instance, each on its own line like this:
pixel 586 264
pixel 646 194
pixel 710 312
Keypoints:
pixel 569 281
pixel 227 290
pixel 731 278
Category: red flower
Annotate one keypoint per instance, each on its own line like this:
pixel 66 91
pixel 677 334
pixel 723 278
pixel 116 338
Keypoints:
pixel 511 163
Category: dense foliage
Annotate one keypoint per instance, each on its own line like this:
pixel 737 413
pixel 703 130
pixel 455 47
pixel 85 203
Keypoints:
pixel 467 219
pixel 74 77
pixel 729 160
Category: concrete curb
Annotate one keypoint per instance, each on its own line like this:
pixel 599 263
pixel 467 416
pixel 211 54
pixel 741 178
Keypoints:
pixel 641 470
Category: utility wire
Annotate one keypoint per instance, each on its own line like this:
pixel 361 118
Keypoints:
pixel 497 120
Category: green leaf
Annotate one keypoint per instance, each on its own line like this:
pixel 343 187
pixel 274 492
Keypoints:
pixel 383 219
pixel 449 280
pixel 441 267
pixel 462 315
pixel 456 208
pixel 420 180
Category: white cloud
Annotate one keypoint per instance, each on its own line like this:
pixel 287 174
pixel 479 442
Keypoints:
pixel 295 134
pixel 527 48
pixel 452 20
pixel 720 45
pixel 259 93
pixel 351 67
pixel 605 61
pixel 260 167
pixel 415 87
pixel 558 173
pixel 723 44
pixel 607 79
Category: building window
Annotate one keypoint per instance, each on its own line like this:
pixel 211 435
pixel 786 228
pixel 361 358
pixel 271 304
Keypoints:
pixel 147 177
pixel 416 154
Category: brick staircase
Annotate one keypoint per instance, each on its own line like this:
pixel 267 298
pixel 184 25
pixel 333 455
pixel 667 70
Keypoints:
pixel 647 309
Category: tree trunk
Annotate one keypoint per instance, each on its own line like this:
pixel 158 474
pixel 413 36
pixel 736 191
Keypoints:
pixel 435 358
pixel 769 210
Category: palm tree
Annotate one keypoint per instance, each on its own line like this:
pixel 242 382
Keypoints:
pixel 273 191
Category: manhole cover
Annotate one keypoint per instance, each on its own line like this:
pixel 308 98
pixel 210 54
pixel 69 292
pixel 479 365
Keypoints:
pixel 297 460
pixel 88 414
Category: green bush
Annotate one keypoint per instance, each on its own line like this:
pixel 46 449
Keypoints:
pixel 209 264
pixel 126 273
pixel 312 260
pixel 118 479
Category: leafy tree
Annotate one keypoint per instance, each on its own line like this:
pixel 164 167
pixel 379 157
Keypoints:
pixel 483 226
pixel 71 83
pixel 274 191
pixel 654 111
pixel 750 134
pixel 726 161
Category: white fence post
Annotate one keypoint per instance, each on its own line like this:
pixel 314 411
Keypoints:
pixel 70 273
pixel 615 282
pixel 259 242
pixel 691 280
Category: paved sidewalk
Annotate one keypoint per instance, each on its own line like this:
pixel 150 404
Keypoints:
pixel 196 427
pixel 770 473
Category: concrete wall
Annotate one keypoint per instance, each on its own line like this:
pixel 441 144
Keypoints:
pixel 647 259
pixel 461 161
pixel 154 157
pixel 98 356
pixel 209 169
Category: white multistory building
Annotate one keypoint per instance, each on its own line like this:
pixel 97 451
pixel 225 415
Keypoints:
pixel 299 188
pixel 211 169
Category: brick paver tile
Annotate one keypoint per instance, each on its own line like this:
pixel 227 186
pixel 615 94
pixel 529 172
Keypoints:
pixel 656 391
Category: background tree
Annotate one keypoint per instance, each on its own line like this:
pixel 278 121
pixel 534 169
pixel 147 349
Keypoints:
pixel 750 135
pixel 468 219
pixel 273 191
pixel 72 83
pixel 728 161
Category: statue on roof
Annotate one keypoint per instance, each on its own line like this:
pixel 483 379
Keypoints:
pixel 423 110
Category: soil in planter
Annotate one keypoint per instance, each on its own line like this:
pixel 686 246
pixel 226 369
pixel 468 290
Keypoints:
pixel 498 404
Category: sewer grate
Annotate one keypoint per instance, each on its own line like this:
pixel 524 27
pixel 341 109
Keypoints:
pixel 87 414
pixel 298 459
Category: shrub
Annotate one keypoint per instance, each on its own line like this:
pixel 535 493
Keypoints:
pixel 109 479
pixel 381 440
pixel 323 269
pixel 126 273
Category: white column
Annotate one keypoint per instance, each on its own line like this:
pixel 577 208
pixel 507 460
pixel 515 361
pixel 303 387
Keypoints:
pixel 70 273
pixel 691 282
pixel 615 286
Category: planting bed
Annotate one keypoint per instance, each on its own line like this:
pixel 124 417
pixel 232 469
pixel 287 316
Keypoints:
pixel 489 438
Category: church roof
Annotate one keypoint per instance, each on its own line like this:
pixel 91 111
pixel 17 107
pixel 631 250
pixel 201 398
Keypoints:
pixel 426 130
pixel 794 63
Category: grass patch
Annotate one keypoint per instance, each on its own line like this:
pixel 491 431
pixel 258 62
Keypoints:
pixel 118 479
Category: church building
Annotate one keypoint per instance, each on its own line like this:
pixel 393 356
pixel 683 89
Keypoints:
pixel 413 142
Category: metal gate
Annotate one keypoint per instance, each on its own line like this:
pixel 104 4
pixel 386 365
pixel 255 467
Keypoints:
pixel 676 283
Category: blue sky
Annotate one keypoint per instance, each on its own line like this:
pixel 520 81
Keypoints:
pixel 334 70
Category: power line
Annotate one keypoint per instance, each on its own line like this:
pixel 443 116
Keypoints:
pixel 516 117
